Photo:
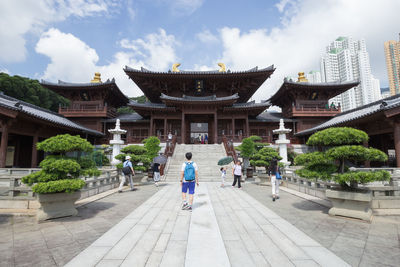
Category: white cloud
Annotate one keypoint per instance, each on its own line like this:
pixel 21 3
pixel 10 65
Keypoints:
pixel 181 7
pixel 74 61
pixel 4 71
pixel 25 16
pixel 207 37
pixel 306 30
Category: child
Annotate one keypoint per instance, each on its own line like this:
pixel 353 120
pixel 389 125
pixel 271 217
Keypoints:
pixel 223 175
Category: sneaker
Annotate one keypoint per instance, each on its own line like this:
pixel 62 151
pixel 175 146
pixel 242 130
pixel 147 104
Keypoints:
pixel 189 208
pixel 273 199
pixel 119 191
pixel 277 197
pixel 185 205
pixel 156 184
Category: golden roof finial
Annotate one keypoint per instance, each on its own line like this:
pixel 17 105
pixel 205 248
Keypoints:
pixel 222 67
pixel 302 78
pixel 175 67
pixel 96 78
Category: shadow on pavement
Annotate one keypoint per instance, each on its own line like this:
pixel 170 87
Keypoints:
pixel 308 205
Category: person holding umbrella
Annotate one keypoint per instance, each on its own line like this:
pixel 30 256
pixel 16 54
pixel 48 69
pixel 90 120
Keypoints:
pixel 157 161
pixel 224 161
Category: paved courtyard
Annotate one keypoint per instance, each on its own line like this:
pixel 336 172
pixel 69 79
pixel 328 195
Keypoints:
pixel 227 227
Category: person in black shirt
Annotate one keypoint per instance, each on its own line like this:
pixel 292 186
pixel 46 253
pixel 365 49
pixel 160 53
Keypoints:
pixel 156 173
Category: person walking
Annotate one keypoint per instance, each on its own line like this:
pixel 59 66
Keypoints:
pixel 237 173
pixel 223 175
pixel 189 179
pixel 275 178
pixel 156 173
pixel 127 171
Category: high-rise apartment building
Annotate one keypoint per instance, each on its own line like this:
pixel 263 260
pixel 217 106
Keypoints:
pixel 347 60
pixel 392 54
pixel 314 76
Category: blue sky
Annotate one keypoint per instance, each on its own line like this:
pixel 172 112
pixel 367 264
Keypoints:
pixel 71 39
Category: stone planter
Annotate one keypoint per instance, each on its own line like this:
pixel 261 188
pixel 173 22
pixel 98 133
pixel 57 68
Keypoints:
pixel 350 204
pixel 249 172
pixel 263 178
pixel 57 205
pixel 137 178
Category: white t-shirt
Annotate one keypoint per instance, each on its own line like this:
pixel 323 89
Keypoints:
pixel 184 166
pixel 237 170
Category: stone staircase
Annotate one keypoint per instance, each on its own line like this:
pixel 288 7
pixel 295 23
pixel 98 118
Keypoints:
pixel 206 158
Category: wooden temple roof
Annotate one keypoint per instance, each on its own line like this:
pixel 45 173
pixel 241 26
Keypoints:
pixel 252 107
pixel 244 83
pixel 384 105
pixel 34 112
pixel 212 99
pixel 114 94
pixel 289 90
pixel 145 109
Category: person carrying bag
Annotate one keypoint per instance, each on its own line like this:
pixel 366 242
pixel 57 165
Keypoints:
pixel 127 171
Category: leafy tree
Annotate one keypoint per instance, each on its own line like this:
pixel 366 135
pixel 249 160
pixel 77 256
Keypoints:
pixel 264 157
pixel 152 145
pixel 247 149
pixel 30 91
pixel 332 164
pixel 125 110
pixel 257 144
pixel 59 172
pixel 139 99
pixel 138 155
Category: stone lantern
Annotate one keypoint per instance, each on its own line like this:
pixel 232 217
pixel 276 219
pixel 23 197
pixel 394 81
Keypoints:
pixel 116 142
pixel 282 141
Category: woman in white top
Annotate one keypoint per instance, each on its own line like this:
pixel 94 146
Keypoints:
pixel 237 173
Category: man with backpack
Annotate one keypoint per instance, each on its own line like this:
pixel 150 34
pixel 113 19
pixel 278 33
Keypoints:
pixel 127 171
pixel 189 179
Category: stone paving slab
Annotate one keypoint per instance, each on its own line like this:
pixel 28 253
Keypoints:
pixel 239 232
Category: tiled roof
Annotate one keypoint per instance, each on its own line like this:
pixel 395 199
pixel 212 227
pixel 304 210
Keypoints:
pixel 255 69
pixel 271 117
pixel 211 98
pixel 357 113
pixel 128 117
pixel 147 105
pixel 42 114
pixel 62 83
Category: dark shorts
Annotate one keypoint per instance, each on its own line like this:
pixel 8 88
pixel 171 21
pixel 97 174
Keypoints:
pixel 190 186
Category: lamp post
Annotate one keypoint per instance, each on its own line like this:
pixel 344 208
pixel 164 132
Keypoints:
pixel 282 142
pixel 116 142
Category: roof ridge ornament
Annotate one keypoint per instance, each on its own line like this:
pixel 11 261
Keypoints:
pixel 222 67
pixel 175 67
pixel 96 78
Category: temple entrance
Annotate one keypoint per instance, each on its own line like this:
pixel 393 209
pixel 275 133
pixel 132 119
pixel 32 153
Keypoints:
pixel 199 133
pixel 198 127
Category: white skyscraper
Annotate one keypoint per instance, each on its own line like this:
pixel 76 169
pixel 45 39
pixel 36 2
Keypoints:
pixel 348 60
pixel 314 76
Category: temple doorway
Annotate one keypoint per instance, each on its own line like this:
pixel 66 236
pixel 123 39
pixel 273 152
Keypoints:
pixel 199 133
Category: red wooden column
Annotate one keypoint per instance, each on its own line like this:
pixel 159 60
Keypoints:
pixel 233 129
pixel 215 128
pixel 183 129
pixel 396 133
pixel 247 126
pixel 165 129
pixel 34 150
pixel 4 143
pixel 151 125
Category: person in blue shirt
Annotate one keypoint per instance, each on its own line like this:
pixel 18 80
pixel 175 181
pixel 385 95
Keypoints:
pixel 127 162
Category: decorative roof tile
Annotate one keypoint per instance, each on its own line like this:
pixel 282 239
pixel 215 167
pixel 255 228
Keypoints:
pixel 42 114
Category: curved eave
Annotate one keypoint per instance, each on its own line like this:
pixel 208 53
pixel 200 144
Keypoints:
pixel 146 109
pixel 152 92
pixel 251 109
pixel 228 100
pixel 198 74
pixel 61 86
pixel 334 88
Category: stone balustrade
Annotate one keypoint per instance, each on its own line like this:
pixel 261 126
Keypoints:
pixel 16 195
pixel 385 195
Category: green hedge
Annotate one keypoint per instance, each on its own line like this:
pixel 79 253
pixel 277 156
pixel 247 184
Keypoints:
pixel 60 186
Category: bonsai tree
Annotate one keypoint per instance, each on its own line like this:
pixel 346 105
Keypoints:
pixel 342 149
pixel 264 157
pixel 140 160
pixel 60 172
pixel 152 145
pixel 246 149
pixel 257 144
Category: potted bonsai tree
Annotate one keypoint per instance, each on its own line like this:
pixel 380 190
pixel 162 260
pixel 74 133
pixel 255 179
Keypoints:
pixel 263 158
pixel 342 149
pixel 139 159
pixel 152 145
pixel 58 183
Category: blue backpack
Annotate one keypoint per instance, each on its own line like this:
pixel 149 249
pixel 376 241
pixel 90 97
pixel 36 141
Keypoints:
pixel 189 172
